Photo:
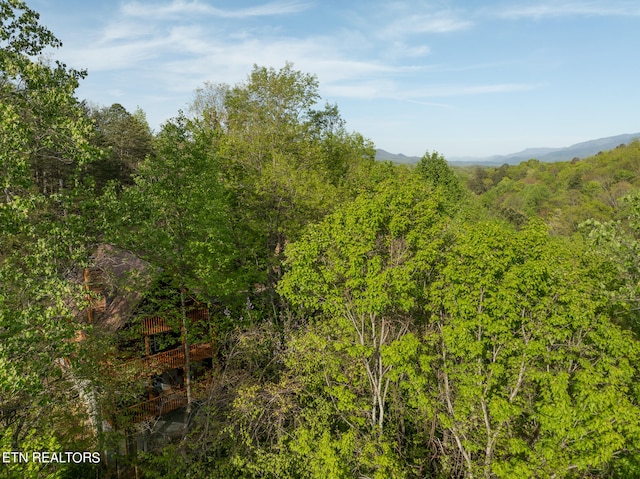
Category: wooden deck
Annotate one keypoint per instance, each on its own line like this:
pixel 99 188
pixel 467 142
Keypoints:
pixel 154 364
pixel 157 324
pixel 163 404
pixel 174 358
pixel 201 314
pixel 154 325
pixel 155 407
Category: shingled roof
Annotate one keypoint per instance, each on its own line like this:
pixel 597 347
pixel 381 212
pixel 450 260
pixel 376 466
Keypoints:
pixel 120 278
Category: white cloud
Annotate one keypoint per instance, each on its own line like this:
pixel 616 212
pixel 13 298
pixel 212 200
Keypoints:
pixel 439 91
pixel 400 49
pixel 185 8
pixel 571 8
pixel 144 36
pixel 427 24
pixel 390 89
pixel 417 51
pixel 416 24
pixel 165 59
pixel 125 31
pixel 116 92
pixel 366 90
pixel 181 58
pixel 113 57
pixel 177 7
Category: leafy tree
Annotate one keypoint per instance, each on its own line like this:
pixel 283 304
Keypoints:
pixel 563 193
pixel 434 168
pixel 533 378
pixel 44 144
pixel 616 243
pixel 364 266
pixel 479 182
pixel 363 270
pixel 44 132
pixel 285 163
pixel 175 217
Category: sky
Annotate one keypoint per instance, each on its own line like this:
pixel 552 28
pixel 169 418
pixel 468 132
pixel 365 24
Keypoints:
pixel 461 77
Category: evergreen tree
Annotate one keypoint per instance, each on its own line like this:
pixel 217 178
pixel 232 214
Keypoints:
pixel 126 137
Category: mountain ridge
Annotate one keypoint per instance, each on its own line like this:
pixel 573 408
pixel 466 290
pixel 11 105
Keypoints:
pixel 545 154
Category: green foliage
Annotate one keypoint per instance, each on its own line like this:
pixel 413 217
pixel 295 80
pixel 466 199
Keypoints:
pixel 284 163
pixel 616 244
pixel 44 229
pixel 480 181
pixel 535 378
pixel 43 131
pixel 401 341
pixel 304 426
pixel 128 139
pixel 565 193
pixel 175 213
pixel 25 467
pixel 434 168
pixel 367 252
pixel 363 269
pixel 271 164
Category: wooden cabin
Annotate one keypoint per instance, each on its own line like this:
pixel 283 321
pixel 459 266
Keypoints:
pixel 164 364
pixel 153 344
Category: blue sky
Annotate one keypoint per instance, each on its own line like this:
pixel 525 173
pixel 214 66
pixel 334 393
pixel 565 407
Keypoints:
pixel 465 78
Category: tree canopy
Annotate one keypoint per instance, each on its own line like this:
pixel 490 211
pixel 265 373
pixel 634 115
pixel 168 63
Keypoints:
pixel 368 319
pixel 44 146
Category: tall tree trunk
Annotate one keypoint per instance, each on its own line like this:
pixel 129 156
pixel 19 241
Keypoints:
pixel 185 344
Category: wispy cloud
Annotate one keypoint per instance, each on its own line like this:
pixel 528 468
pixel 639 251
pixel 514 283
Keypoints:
pixel 181 56
pixel 452 55
pixel 467 90
pixel 166 52
pixel 125 30
pixel 115 56
pixel 390 89
pixel 412 51
pixel 571 8
pixel 425 23
pixel 432 24
pixel 186 8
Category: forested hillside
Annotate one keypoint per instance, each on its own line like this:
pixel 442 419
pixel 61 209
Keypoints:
pixel 367 320
pixel 563 193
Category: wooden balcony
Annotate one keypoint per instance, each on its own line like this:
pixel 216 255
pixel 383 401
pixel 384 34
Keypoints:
pixel 145 368
pixel 201 314
pixel 155 407
pixel 174 358
pixel 154 325
pixel 163 404
pixel 157 324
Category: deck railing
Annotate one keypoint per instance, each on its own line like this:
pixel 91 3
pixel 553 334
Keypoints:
pixel 155 407
pixel 157 324
pixel 164 361
pixel 163 404
pixel 174 358
pixel 201 314
pixel 154 325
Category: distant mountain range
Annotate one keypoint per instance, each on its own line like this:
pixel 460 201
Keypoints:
pixel 579 150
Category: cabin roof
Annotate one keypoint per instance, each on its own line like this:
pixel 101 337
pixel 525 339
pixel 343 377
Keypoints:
pixel 121 278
